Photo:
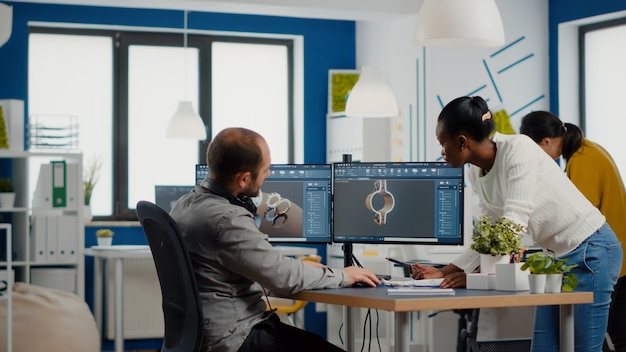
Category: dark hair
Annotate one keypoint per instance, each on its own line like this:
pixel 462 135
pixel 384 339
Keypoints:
pixel 541 124
pixel 467 114
pixel 234 150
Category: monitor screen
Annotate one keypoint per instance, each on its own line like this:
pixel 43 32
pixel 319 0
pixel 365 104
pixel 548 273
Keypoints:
pixel 411 202
pixel 165 195
pixel 202 171
pixel 295 204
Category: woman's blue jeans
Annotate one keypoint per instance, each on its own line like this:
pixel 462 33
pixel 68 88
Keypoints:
pixel 599 260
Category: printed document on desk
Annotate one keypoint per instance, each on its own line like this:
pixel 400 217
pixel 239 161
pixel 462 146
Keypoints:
pixel 419 291
pixel 407 282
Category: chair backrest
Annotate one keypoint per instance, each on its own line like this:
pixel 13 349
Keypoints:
pixel 182 309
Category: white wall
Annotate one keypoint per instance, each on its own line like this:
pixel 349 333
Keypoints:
pixel 451 73
pixel 514 78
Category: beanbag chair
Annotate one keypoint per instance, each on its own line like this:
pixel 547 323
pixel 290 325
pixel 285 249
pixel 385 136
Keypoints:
pixel 50 320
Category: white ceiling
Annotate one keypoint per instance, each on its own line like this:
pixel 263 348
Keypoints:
pixel 358 10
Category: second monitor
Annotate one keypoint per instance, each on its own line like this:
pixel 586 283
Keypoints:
pixel 411 202
pixel 295 202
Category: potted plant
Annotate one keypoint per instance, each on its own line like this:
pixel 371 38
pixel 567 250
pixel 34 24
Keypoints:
pixel 89 183
pixel 7 193
pixel 104 237
pixel 496 241
pixel 554 271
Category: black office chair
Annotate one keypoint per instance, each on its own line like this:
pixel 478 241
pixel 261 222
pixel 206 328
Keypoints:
pixel 182 310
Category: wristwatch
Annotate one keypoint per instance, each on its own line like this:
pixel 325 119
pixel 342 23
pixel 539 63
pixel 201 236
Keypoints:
pixel 380 189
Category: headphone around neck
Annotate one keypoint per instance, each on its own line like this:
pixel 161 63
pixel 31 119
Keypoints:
pixel 242 201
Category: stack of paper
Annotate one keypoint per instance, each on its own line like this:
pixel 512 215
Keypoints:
pixel 433 283
pixel 419 291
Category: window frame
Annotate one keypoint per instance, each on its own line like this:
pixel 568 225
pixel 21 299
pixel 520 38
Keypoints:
pixel 582 95
pixel 203 42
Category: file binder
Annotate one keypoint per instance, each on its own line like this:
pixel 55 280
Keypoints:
pixel 59 191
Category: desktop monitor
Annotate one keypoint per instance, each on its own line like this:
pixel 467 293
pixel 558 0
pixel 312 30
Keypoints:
pixel 410 202
pixel 166 195
pixel 295 204
pixel 202 171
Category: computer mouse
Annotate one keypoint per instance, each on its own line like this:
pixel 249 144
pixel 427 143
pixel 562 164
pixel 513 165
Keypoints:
pixel 360 284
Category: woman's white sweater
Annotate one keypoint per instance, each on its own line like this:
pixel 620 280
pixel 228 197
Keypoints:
pixel 526 186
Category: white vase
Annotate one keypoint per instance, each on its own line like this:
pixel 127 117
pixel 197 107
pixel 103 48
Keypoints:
pixel 488 262
pixel 105 241
pixel 537 283
pixel 554 283
pixel 7 200
pixel 87 215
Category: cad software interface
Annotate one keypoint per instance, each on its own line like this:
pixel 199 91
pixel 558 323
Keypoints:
pixel 419 202
pixel 296 203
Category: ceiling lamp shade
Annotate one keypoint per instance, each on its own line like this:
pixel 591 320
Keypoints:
pixel 6 22
pixel 459 23
pixel 186 123
pixel 371 96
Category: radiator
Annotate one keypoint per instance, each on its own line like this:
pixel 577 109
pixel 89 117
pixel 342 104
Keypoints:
pixel 143 315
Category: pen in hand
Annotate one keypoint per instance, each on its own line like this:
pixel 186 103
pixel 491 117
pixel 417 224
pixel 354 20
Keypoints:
pixel 411 267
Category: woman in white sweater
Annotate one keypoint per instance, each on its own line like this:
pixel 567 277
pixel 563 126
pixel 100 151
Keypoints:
pixel 516 179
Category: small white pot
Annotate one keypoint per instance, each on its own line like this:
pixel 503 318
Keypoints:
pixel 554 283
pixel 105 241
pixel 488 262
pixel 537 283
pixel 7 200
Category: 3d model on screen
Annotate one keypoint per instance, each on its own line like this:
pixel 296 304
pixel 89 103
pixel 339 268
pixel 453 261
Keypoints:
pixel 277 208
pixel 380 190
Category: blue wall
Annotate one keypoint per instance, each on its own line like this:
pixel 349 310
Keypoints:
pixel 568 10
pixel 328 44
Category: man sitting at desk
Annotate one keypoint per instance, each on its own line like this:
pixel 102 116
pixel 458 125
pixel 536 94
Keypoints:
pixel 234 262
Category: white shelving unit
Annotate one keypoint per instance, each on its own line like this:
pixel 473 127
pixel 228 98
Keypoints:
pixel 6 229
pixel 23 164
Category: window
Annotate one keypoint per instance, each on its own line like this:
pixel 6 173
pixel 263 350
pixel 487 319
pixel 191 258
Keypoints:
pixel 602 57
pixel 123 87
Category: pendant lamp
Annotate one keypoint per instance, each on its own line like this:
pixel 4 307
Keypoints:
pixel 186 123
pixel 371 96
pixel 459 23
pixel 6 23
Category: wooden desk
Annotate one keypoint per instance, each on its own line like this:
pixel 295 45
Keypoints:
pixel 463 299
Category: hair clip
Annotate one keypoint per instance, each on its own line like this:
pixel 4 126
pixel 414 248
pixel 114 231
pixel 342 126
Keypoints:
pixel 486 116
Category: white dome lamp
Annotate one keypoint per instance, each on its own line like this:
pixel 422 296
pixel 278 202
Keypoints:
pixel 186 123
pixel 459 23
pixel 371 96
pixel 6 22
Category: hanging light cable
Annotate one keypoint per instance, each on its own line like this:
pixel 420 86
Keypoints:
pixel 186 123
